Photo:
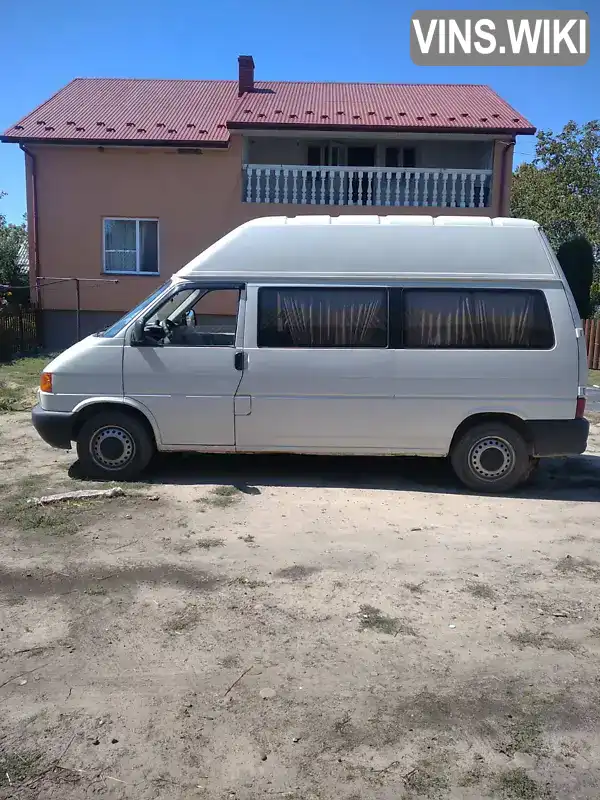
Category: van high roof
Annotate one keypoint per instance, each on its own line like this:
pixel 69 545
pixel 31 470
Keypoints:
pixel 366 248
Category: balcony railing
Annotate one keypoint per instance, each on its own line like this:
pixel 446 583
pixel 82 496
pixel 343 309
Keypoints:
pixel 367 186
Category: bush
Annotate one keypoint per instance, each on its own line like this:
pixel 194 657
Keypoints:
pixel 576 257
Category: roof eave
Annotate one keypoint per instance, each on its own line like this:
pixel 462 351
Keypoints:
pixel 204 145
pixel 235 125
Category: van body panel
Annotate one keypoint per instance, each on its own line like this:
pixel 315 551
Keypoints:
pixel 188 390
pixel 90 368
pixel 312 399
pixel 372 250
pixel 399 400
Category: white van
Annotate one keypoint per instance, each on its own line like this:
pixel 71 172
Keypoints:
pixel 340 335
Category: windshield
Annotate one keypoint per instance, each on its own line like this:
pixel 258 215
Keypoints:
pixel 122 323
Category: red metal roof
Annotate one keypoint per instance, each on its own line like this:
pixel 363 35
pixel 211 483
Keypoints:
pixel 133 111
pixel 195 112
pixel 378 105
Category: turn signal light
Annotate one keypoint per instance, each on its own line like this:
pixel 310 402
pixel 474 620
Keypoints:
pixel 580 408
pixel 46 382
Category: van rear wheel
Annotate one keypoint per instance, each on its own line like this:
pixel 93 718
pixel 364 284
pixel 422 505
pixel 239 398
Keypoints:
pixel 491 457
pixel 114 445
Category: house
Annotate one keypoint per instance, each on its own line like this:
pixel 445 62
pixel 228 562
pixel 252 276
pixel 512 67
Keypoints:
pixel 129 179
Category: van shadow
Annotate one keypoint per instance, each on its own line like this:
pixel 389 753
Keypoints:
pixel 576 478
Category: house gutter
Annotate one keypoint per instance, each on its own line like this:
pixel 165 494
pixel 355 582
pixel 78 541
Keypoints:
pixel 504 209
pixel 74 142
pixel 34 204
pixel 236 125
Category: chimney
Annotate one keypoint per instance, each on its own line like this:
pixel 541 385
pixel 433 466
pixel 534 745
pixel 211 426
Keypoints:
pixel 246 74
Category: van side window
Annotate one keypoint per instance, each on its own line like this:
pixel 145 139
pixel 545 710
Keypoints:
pixel 196 318
pixel 488 319
pixel 322 317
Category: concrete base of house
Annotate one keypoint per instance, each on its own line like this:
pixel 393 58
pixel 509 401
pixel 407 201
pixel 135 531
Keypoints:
pixel 59 328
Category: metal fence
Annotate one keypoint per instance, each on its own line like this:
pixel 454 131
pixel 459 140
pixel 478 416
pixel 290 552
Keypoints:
pixel 20 332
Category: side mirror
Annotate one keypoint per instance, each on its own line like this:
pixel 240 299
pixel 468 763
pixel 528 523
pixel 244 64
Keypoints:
pixel 137 334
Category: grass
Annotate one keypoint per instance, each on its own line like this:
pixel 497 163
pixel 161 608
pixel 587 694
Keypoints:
pixel 472 777
pixel 221 497
pixel 184 619
pixel 17 766
pixel 61 519
pixel 207 542
pixel 249 583
pixel 579 566
pixel 19 381
pixel 594 377
pixel 426 780
pixel 526 638
pixel 517 785
pixel 415 588
pixel 204 543
pixel 481 590
pixel 525 736
pixel 96 590
pixel 372 618
pixel 297 572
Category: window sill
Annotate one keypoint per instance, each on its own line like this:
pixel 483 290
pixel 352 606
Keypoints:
pixel 128 272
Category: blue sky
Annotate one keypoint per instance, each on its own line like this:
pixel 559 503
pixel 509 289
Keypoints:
pixel 45 44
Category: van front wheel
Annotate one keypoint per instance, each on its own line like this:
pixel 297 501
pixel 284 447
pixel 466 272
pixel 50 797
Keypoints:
pixel 491 457
pixel 114 445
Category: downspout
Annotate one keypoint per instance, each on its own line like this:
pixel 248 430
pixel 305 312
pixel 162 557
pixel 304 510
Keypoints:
pixel 34 206
pixel 504 210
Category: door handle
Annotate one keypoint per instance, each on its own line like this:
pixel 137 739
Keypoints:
pixel 238 361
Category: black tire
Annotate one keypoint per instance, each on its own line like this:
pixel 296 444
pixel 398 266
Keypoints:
pixel 98 445
pixel 491 457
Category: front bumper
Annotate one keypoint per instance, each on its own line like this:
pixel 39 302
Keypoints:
pixel 54 427
pixel 559 437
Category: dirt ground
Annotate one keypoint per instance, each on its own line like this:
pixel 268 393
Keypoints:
pixel 297 627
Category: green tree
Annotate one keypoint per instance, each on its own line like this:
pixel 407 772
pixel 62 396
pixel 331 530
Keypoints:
pixel 576 257
pixel 12 273
pixel 561 188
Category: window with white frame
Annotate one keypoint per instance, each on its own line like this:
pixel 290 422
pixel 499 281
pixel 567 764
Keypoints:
pixel 131 245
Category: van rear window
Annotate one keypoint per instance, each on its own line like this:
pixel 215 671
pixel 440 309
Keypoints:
pixel 322 317
pixel 488 319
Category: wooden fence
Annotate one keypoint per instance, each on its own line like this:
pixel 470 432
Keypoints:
pixel 592 338
pixel 20 332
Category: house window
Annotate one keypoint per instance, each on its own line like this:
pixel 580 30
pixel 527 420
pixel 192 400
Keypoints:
pixel 485 319
pixel 400 157
pixel 325 155
pixel 316 317
pixel 131 245
pixel 409 157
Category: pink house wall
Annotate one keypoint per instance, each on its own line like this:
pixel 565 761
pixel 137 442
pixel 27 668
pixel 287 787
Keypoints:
pixel 196 198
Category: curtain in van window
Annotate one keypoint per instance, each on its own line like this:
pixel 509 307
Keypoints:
pixel 478 319
pixel 323 318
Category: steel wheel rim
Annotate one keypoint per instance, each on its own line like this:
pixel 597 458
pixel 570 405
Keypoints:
pixel 112 447
pixel 492 458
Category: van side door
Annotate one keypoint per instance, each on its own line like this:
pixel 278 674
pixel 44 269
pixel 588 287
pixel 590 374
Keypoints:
pixel 183 369
pixel 319 372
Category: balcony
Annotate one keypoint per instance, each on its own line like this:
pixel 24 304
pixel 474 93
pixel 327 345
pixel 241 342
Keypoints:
pixel 367 186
